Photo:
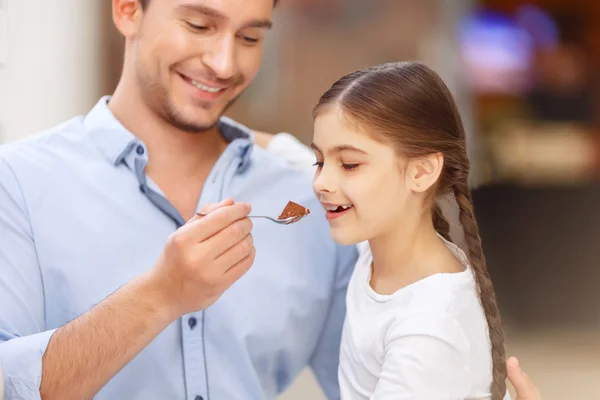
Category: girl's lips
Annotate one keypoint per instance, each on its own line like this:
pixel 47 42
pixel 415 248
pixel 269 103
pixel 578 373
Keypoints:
pixel 331 215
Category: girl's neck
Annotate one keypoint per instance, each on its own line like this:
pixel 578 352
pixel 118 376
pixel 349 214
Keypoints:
pixel 411 251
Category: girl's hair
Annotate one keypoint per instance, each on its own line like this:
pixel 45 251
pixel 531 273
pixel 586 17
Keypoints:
pixel 408 105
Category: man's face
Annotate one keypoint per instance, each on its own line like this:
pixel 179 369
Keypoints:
pixel 193 58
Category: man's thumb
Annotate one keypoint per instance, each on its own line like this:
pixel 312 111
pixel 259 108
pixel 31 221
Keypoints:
pixel 210 207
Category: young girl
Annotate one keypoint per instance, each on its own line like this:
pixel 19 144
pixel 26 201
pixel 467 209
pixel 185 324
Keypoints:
pixel 422 320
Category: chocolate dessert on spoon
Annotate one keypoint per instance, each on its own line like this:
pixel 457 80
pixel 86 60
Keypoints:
pixel 293 212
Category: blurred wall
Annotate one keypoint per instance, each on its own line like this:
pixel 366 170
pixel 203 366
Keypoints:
pixel 307 53
pixel 56 63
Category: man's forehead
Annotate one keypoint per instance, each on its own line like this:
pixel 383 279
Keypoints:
pixel 221 4
pixel 254 14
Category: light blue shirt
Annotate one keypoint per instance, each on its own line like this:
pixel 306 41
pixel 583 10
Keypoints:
pixel 79 218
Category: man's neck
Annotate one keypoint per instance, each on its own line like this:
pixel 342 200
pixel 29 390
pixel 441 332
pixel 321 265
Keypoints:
pixel 170 150
pixel 178 162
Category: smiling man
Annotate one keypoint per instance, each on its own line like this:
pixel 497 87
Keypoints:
pixel 111 287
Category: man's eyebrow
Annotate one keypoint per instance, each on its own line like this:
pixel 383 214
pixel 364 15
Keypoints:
pixel 259 23
pixel 202 9
pixel 211 12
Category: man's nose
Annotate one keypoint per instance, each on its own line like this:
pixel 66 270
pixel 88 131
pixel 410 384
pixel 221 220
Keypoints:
pixel 220 58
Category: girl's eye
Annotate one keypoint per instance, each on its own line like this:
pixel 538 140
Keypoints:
pixel 349 167
pixel 318 164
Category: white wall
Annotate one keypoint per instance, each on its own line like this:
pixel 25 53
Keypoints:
pixel 53 65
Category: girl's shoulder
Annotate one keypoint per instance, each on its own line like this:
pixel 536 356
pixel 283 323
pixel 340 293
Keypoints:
pixel 432 326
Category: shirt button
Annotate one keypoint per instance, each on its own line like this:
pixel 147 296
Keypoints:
pixel 192 322
pixel 140 150
pixel 198 397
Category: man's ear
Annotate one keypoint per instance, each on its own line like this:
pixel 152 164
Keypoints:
pixel 423 172
pixel 127 15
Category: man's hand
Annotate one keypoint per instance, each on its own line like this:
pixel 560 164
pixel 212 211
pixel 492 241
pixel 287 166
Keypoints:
pixel 205 257
pixel 199 262
pixel 520 380
pixel 262 139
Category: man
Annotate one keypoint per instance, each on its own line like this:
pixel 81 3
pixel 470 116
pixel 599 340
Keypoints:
pixel 93 303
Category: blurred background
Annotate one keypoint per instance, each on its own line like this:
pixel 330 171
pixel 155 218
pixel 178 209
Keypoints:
pixel 526 75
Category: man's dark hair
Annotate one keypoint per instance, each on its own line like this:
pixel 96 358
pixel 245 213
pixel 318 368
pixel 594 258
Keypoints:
pixel 144 3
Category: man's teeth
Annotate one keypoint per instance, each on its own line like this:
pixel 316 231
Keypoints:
pixel 334 208
pixel 205 88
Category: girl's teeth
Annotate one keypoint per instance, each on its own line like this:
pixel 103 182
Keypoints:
pixel 334 208
pixel 205 88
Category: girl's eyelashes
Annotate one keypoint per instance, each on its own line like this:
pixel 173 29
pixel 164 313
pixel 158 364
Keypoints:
pixel 346 166
pixel 349 167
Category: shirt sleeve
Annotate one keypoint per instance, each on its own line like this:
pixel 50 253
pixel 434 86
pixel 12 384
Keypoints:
pixel 326 357
pixel 292 151
pixel 22 337
pixel 425 358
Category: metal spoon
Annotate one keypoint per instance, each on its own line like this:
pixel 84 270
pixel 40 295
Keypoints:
pixel 286 221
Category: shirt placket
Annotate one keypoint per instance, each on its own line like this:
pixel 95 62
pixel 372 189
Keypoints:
pixel 193 325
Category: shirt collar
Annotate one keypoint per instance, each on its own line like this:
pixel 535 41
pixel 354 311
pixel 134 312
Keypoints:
pixel 116 143
pixel 112 139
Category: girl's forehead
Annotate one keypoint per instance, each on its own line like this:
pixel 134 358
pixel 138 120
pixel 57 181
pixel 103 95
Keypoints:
pixel 332 125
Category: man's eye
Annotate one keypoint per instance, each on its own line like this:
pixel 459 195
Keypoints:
pixel 197 27
pixel 249 40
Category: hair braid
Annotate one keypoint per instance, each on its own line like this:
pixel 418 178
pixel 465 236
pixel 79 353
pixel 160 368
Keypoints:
pixel 487 295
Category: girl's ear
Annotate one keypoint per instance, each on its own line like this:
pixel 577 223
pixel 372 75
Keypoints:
pixel 423 172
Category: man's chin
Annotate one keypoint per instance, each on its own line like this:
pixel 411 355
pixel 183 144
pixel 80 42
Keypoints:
pixel 202 117
pixel 193 119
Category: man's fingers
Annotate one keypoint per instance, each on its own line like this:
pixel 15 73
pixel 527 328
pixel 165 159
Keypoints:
pixel 208 208
pixel 202 228
pixel 514 371
pixel 524 388
pixel 220 243
pixel 236 253
pixel 238 270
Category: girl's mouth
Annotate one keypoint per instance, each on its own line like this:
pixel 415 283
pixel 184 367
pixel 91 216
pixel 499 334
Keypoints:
pixel 333 211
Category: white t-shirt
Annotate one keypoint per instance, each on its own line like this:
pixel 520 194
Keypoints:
pixel 427 341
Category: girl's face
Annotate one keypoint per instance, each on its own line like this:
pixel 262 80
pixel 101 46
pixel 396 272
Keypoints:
pixel 360 182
